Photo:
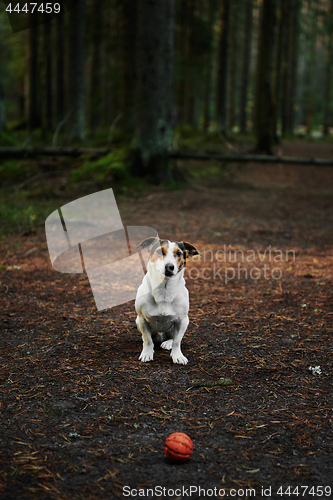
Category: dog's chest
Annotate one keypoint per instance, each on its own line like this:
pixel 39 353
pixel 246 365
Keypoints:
pixel 163 316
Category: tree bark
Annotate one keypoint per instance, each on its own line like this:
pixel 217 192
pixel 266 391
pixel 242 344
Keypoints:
pixel 263 98
pixel 290 20
pixel 246 62
pixel 310 73
pixel 187 155
pixel 209 77
pixel 34 119
pixel 47 116
pixel 182 155
pixel 222 85
pixel 59 70
pixel 153 137
pixel 2 101
pixel 96 63
pixel 328 72
pixel 183 84
pixel 77 25
pixel 233 65
pixel 129 77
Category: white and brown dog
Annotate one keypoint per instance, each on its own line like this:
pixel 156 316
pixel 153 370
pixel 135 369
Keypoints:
pixel 162 300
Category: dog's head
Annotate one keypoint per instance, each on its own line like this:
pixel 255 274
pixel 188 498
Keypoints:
pixel 168 257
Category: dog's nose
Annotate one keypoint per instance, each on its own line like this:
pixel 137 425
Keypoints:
pixel 169 268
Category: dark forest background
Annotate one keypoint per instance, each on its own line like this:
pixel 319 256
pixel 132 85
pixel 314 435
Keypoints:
pixel 145 74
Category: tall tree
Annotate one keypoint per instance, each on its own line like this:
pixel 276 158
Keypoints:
pixel 184 35
pixel 47 115
pixel 310 72
pixel 222 84
pixel 96 64
pixel 155 57
pixel 276 85
pixel 234 49
pixel 2 102
pixel 77 28
pixel 263 97
pixel 129 34
pixel 210 66
pixel 246 61
pixel 328 71
pixel 59 70
pixel 2 96
pixel 34 119
pixel 290 22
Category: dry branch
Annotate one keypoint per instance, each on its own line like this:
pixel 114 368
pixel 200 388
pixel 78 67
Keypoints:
pixel 181 155
pixel 189 155
pixel 52 151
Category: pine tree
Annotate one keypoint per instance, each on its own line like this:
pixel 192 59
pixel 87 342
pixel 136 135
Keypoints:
pixel 153 138
pixel 222 84
pixel 246 61
pixel 263 98
pixel 76 122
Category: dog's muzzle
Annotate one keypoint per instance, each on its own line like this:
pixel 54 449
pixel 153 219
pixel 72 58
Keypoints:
pixel 169 268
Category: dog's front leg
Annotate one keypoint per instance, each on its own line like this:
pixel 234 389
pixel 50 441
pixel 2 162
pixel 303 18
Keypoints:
pixel 178 333
pixel 147 353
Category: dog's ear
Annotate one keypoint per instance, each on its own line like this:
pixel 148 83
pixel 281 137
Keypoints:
pixel 190 249
pixel 147 243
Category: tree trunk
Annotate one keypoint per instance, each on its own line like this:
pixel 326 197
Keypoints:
pixel 276 93
pixel 183 83
pixel 233 65
pixel 96 63
pixel 328 72
pixel 153 138
pixel 2 101
pixel 77 25
pixel 59 70
pixel 209 77
pixel 290 20
pixel 47 116
pixel 129 34
pixel 246 62
pixel 263 98
pixel 310 79
pixel 34 119
pixel 223 68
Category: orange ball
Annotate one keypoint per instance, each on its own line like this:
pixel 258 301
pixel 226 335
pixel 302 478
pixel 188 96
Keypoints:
pixel 178 447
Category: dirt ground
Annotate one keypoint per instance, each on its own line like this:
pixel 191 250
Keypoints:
pixel 82 418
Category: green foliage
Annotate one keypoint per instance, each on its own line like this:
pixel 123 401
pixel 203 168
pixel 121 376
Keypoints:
pixel 7 139
pixel 12 172
pixel 112 168
pixel 20 214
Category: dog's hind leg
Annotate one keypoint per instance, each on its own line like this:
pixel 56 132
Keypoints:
pixel 147 353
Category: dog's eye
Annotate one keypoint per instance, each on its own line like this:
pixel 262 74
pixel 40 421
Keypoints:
pixel 159 251
pixel 178 254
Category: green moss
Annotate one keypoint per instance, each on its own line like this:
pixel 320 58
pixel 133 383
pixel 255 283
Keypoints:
pixel 19 214
pixel 110 168
pixel 7 140
pixel 12 172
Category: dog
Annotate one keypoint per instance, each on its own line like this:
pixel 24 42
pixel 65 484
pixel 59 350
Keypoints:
pixel 162 301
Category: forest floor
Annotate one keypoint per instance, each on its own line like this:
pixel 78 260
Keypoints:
pixel 82 418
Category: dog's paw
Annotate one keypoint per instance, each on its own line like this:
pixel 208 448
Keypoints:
pixel 167 344
pixel 179 358
pixel 146 355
